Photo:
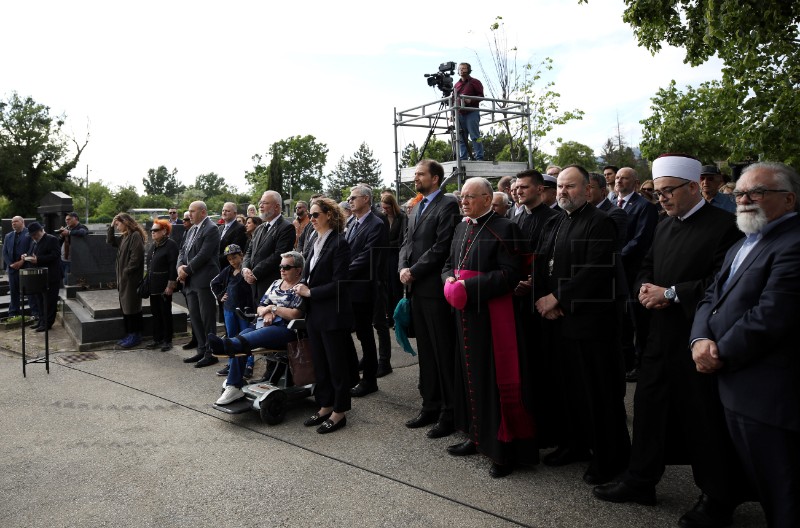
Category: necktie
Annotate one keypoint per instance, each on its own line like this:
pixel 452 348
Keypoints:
pixel 351 233
pixel 621 203
pixel 421 207
pixel 224 230
pixel 16 239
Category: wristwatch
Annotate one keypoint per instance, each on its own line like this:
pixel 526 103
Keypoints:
pixel 274 309
pixel 669 294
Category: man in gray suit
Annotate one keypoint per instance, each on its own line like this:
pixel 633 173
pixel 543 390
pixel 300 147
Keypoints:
pixel 197 265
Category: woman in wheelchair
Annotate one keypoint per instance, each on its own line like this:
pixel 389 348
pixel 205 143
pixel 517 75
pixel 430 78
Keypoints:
pixel 280 305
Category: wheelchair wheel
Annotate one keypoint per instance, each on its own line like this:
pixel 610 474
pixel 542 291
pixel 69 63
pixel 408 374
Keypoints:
pixel 273 407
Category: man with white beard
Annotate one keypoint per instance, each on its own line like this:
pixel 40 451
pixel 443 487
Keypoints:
pixel 744 337
pixel 678 418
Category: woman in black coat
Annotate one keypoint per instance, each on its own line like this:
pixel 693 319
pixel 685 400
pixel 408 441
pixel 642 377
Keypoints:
pixel 398 222
pixel 162 270
pixel 329 317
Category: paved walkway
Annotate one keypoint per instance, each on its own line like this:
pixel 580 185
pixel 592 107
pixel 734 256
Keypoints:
pixel 128 438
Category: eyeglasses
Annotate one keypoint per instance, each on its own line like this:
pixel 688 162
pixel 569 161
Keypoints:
pixel 187 220
pixel 173 212
pixel 470 197
pixel 666 192
pixel 155 230
pixel 756 195
pixel 352 198
pixel 287 268
pixel 315 215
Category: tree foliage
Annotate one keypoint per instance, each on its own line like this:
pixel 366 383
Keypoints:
pixel 296 161
pixel 118 201
pixel 572 152
pixel 35 155
pixel 514 82
pixel 212 184
pixel 160 181
pixel 693 122
pixel 759 44
pixel 438 150
pixel 361 167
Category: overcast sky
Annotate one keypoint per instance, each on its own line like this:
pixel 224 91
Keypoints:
pixel 203 86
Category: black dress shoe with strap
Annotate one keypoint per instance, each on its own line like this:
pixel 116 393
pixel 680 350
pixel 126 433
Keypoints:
pixel 422 419
pixel 329 426
pixel 622 492
pixel 316 419
pixel 465 448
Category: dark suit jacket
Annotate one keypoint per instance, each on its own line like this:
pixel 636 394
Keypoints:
pixel 201 257
pixel 329 305
pixel 427 244
pixel 642 221
pixel 263 255
pixel 236 235
pixel 620 218
pixel 753 323
pixel 48 255
pixel 11 256
pixel 366 247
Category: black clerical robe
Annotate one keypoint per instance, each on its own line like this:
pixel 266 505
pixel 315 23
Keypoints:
pixel 580 367
pixel 502 429
pixel 678 417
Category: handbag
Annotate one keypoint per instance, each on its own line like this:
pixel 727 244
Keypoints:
pixel 144 287
pixel 300 362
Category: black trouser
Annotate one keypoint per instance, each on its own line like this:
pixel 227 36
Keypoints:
pixel 381 324
pixel 434 325
pixel 52 305
pixel 133 323
pixel 363 313
pixel 333 367
pixel 161 308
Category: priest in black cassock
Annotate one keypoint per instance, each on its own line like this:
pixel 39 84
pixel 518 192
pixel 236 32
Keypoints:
pixel 481 272
pixel 678 416
pixel 574 289
pixel 529 187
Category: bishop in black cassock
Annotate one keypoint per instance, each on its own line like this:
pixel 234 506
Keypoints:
pixel 483 255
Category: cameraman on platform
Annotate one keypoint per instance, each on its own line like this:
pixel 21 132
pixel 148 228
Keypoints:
pixel 469 119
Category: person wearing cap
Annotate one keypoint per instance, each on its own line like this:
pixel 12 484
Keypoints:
pixel 678 417
pixel 163 275
pixel 711 179
pixel 45 253
pixel 232 292
pixel 744 337
pixel 549 192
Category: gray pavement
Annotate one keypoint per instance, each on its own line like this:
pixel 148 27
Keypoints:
pixel 130 439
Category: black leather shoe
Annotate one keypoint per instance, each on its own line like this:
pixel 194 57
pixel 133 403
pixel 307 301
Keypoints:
pixel 206 361
pixel 194 359
pixel 166 346
pixel 565 455
pixel 707 513
pixel 362 389
pixel 500 470
pixel 41 328
pixel 441 429
pixel 423 418
pixel 596 478
pixel 465 448
pixel 190 345
pixel 328 426
pixel 153 345
pixel 316 419
pixel 383 370
pixel 621 492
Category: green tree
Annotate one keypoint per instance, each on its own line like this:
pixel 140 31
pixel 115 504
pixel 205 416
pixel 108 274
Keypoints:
pixel 119 201
pixel 156 201
pixel 162 181
pixel 296 161
pixel 693 122
pixel 513 82
pixel 98 191
pixel 758 42
pixel 572 152
pixel 361 167
pixel 35 156
pixel 212 184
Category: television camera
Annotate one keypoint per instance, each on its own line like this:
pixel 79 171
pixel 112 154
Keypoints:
pixel 443 79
